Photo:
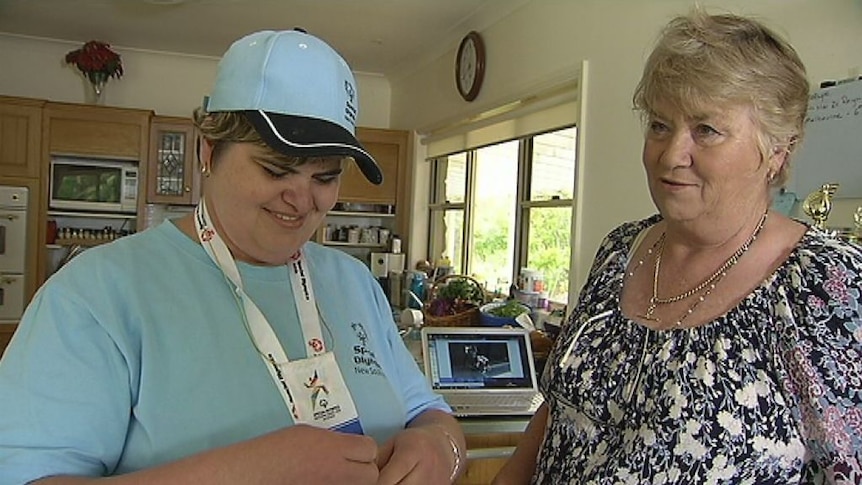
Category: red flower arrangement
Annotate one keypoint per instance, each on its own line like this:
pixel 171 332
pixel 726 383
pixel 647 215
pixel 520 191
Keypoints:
pixel 96 61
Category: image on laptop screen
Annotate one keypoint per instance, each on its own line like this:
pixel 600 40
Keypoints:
pixel 478 361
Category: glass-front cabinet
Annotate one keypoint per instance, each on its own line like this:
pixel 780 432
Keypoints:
pixel 172 174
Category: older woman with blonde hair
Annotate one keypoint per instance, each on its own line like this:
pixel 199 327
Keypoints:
pixel 716 341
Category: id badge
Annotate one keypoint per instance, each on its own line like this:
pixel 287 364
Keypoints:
pixel 320 395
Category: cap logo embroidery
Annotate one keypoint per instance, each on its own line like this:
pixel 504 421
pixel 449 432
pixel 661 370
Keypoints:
pixel 350 105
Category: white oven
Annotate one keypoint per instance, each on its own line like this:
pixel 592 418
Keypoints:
pixel 13 250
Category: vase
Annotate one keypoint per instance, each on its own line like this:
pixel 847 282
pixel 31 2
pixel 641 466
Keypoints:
pixel 94 89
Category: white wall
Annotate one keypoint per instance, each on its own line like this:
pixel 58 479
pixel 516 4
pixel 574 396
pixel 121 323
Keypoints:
pixel 167 83
pixel 547 37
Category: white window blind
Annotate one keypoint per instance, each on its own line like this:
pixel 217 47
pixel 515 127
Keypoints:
pixel 548 110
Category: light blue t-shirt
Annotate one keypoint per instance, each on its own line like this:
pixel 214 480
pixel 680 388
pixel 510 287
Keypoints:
pixel 135 354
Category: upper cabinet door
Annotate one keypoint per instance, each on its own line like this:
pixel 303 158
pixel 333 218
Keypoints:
pixel 389 148
pixel 97 131
pixel 20 138
pixel 172 176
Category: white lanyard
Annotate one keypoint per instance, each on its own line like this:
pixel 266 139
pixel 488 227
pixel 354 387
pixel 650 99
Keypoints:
pixel 261 331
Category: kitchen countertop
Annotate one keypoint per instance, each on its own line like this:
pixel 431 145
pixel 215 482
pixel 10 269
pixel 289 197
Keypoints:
pixel 494 424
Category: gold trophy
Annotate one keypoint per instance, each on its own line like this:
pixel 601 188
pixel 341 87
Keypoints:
pixel 818 204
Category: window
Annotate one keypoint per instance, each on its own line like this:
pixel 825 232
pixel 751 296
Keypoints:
pixel 507 206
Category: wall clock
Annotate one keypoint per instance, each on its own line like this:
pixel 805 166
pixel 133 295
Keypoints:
pixel 470 66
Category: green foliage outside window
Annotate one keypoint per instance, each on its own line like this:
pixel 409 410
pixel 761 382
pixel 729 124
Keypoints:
pixel 548 248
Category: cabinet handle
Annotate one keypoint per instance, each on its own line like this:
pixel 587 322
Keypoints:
pixel 187 189
pixel 11 217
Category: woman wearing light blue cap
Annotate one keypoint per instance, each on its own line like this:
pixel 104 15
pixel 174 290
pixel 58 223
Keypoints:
pixel 224 347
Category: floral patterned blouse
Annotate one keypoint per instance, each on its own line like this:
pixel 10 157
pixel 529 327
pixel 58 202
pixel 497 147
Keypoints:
pixel 769 393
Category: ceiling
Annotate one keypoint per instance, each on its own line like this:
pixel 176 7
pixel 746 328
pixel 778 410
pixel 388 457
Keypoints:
pixel 385 37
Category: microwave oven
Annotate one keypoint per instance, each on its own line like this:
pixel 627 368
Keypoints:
pixel 77 184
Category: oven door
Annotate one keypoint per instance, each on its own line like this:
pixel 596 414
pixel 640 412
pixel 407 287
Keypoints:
pixel 13 229
pixel 11 296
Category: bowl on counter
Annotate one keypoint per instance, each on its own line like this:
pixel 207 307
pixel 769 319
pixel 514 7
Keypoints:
pixel 488 318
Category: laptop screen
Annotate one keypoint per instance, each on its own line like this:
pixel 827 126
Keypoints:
pixel 481 360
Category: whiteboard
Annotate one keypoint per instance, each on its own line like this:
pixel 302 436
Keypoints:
pixel 831 149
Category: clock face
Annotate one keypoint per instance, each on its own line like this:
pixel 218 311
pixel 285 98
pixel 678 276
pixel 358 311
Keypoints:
pixel 470 66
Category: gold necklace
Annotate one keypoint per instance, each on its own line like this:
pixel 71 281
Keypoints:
pixel 706 286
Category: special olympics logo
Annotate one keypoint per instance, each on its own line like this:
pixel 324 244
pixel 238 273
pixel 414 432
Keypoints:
pixel 316 344
pixel 361 334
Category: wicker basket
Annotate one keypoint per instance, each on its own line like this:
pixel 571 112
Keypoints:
pixel 468 318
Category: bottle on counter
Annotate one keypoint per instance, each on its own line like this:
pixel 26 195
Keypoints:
pixel 417 288
pixel 444 266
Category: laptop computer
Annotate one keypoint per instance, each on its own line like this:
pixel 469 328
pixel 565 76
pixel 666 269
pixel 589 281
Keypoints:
pixel 482 371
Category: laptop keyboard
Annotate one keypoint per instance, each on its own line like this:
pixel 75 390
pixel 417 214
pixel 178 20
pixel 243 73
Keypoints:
pixel 494 401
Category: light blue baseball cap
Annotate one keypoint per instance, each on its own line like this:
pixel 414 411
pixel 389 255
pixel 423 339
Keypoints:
pixel 297 92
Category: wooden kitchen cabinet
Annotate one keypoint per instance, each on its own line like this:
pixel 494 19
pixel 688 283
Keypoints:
pixel 389 148
pixel 480 471
pixel 20 137
pixel 97 131
pixel 20 166
pixel 173 176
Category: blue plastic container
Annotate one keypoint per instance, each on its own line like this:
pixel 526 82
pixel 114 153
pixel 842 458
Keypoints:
pixel 417 287
pixel 488 320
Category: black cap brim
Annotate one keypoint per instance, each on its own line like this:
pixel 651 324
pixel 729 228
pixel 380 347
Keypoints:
pixel 300 136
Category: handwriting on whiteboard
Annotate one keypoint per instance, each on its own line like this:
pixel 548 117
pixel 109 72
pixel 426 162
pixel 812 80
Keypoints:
pixel 825 106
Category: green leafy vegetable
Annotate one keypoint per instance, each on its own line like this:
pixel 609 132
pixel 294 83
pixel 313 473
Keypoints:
pixel 510 309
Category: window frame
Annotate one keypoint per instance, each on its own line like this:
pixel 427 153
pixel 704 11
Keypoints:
pixel 438 206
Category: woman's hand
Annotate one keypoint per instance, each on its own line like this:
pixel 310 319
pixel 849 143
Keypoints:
pixel 423 453
pixel 313 455
pixel 298 454
pixel 416 455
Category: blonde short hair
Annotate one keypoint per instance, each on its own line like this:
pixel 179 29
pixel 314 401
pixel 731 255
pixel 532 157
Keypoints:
pixel 705 60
